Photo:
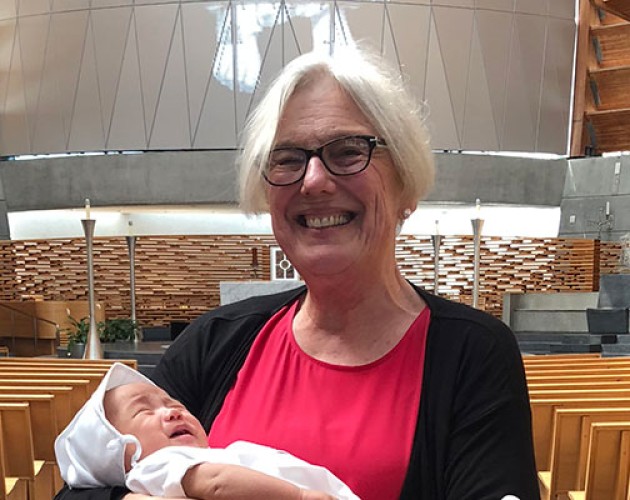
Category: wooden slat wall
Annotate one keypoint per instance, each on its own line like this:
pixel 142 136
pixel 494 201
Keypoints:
pixel 177 277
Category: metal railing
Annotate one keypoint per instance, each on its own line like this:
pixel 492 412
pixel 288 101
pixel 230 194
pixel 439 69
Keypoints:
pixel 35 319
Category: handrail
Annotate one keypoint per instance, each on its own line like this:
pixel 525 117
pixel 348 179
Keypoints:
pixel 33 317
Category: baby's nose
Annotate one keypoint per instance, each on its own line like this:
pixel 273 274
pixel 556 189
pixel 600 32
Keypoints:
pixel 172 414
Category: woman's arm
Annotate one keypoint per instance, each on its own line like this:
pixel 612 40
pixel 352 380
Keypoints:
pixel 490 449
pixel 108 493
pixel 208 481
pixel 114 493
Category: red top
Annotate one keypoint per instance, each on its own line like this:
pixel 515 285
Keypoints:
pixel 357 421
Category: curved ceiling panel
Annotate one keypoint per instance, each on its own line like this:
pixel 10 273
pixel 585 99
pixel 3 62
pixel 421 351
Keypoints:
pixel 160 75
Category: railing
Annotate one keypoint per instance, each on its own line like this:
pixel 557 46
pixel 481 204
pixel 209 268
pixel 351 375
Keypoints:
pixel 35 320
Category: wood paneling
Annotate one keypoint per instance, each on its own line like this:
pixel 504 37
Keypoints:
pixel 178 277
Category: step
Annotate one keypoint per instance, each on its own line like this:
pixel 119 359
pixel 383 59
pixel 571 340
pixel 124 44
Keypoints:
pixel 542 349
pixel 566 338
pixel 549 321
pixel 554 301
pixel 610 129
pixel 609 87
pixel 612 44
pixel 616 349
pixel 574 348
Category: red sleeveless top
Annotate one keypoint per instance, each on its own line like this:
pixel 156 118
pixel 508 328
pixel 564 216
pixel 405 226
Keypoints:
pixel 357 421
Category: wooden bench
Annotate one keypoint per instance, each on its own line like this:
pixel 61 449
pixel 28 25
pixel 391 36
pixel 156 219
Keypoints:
pixel 77 389
pixel 586 384
pixel 18 451
pixel 607 463
pixel 11 488
pixel 78 363
pixel 569 425
pixel 543 411
pixel 553 358
pixel 93 378
pixel 606 377
pixel 63 409
pixel 608 392
pixel 576 363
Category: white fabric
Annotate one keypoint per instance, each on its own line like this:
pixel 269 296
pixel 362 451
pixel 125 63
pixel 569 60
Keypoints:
pixel 161 473
pixel 90 451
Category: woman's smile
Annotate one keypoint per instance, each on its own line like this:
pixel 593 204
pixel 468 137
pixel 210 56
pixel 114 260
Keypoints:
pixel 322 222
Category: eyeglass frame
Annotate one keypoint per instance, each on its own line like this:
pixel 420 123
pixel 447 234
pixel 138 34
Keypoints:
pixel 373 142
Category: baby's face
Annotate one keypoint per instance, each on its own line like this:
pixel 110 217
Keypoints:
pixel 152 416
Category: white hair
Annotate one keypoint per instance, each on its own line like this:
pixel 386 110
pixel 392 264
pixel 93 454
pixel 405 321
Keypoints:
pixel 377 91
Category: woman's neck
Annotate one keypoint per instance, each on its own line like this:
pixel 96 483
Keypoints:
pixel 357 322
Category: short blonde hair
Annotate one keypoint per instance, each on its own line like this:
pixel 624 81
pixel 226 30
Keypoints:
pixel 380 95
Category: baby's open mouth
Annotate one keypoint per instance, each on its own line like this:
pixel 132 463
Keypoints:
pixel 180 432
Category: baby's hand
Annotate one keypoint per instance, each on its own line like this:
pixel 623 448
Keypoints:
pixel 315 495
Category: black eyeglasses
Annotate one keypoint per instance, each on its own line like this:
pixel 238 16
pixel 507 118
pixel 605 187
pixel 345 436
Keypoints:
pixel 344 156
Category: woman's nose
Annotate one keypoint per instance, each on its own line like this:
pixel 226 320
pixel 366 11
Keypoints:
pixel 317 178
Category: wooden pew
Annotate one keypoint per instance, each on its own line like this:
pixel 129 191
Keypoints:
pixel 606 377
pixel 608 463
pixel 79 363
pixel 554 372
pixel 11 488
pixel 19 456
pixel 44 423
pixel 77 389
pixel 569 425
pixel 571 358
pixel 93 378
pixel 549 385
pixel 606 363
pixel 542 421
pixel 63 409
pixel 581 393
pixel 533 358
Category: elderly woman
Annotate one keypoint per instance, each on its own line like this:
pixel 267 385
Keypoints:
pixel 399 393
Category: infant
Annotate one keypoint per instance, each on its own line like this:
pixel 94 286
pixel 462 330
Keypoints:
pixel 130 432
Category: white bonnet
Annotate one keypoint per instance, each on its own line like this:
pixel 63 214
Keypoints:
pixel 90 451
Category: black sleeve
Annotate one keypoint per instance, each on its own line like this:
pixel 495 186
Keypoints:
pixel 473 438
pixel 490 448
pixel 109 493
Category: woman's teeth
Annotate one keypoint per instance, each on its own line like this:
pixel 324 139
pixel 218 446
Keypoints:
pixel 331 220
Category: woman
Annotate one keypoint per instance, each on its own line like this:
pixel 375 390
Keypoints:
pixel 399 393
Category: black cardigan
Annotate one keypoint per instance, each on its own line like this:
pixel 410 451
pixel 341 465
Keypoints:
pixel 473 436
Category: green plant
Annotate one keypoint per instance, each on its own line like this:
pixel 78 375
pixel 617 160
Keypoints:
pixel 118 329
pixel 78 331
pixel 109 330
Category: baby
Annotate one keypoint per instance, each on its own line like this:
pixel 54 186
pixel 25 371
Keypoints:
pixel 131 432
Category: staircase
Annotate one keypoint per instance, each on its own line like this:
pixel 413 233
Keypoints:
pixel 602 100
pixel 555 323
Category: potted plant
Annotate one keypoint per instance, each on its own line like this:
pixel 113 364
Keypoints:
pixel 123 329
pixel 77 335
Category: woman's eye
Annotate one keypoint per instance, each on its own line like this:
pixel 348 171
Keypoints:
pixel 286 159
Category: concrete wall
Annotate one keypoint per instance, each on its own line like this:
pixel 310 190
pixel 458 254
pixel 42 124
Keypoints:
pixel 590 184
pixel 203 177
pixel 581 187
pixel 498 179
pixel 165 178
